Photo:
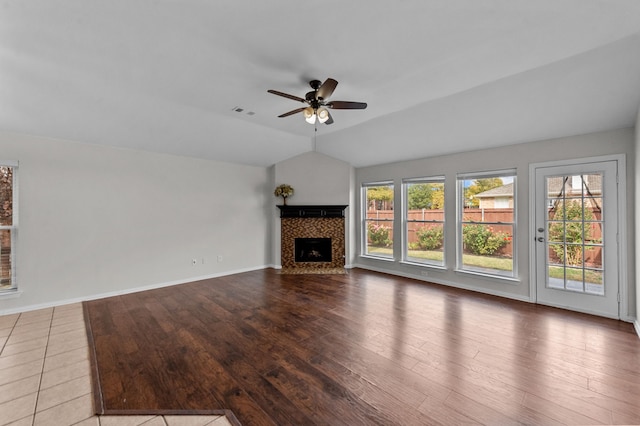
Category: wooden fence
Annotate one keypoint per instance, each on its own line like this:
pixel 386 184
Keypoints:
pixel 593 257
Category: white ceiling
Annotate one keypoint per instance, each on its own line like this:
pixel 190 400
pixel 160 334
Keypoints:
pixel 439 76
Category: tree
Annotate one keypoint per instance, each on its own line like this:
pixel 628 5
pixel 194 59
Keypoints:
pixel 425 196
pixel 379 194
pixel 569 228
pixel 478 186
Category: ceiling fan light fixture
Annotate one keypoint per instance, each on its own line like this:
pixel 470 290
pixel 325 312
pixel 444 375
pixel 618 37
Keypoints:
pixel 323 115
pixel 309 115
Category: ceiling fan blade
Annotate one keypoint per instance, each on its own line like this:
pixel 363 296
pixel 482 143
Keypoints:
pixel 295 111
pixel 346 105
pixel 286 95
pixel 327 89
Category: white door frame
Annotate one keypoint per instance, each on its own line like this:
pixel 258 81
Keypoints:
pixel 622 225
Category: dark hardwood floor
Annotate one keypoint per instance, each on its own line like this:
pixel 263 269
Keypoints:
pixel 359 349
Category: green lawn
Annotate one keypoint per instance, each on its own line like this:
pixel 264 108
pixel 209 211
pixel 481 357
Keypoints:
pixel 500 263
pixel 490 262
pixel 592 277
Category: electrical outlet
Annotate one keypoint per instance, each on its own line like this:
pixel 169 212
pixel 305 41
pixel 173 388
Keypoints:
pixel 194 262
pixel 219 258
pixel 424 273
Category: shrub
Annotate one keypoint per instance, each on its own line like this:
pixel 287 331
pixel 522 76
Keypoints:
pixel 430 237
pixel 378 235
pixel 571 231
pixel 482 240
pixel 414 246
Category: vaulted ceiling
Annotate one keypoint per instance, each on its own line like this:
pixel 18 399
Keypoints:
pixel 439 76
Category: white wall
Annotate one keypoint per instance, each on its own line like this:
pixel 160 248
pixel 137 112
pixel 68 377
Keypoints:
pixel 514 156
pixel 95 220
pixel 317 180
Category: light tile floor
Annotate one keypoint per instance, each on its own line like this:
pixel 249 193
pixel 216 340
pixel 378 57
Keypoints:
pixel 45 374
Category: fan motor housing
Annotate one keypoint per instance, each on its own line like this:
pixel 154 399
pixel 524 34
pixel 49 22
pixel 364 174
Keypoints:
pixel 315 84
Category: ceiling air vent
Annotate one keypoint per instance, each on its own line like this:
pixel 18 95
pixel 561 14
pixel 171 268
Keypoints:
pixel 240 110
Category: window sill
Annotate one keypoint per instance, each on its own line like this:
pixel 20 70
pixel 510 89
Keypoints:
pixel 10 294
pixel 424 265
pixel 510 280
pixel 385 259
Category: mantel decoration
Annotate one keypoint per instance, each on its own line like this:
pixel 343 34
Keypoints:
pixel 283 191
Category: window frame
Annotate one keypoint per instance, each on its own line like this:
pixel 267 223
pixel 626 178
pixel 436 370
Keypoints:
pixel 460 203
pixel 440 179
pixel 364 204
pixel 13 228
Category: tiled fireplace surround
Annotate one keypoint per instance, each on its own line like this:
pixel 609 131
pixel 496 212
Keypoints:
pixel 312 222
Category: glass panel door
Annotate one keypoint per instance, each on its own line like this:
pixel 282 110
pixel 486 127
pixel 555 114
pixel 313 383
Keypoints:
pixel 575 224
pixel 576 237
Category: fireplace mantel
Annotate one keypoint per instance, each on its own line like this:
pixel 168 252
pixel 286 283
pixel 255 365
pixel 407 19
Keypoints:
pixel 312 211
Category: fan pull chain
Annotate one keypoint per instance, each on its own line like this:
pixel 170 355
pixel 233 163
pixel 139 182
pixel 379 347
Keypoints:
pixel 315 134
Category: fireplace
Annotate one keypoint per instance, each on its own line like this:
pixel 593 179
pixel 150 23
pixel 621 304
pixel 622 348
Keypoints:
pixel 312 239
pixel 312 249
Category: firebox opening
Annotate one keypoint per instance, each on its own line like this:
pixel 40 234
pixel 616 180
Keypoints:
pixel 312 249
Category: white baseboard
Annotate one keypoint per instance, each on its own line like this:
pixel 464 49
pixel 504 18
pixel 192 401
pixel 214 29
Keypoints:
pixel 447 283
pixel 430 279
pixel 127 291
pixel 584 311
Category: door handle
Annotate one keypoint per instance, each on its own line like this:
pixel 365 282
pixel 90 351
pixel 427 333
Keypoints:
pixel 541 239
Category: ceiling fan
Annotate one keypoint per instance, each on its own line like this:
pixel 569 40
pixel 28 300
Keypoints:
pixel 317 102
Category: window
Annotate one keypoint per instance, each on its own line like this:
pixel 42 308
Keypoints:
pixel 424 220
pixel 377 221
pixel 501 203
pixel 486 223
pixel 8 225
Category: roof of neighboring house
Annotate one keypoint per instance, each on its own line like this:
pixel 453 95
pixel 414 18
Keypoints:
pixel 500 191
pixel 593 183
